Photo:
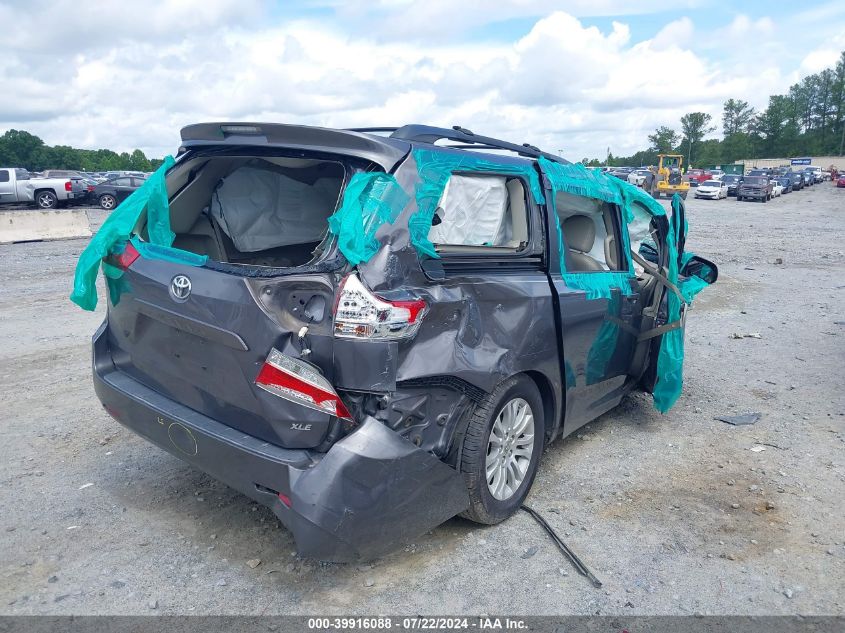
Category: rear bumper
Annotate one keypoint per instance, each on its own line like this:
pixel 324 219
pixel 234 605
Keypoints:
pixel 370 493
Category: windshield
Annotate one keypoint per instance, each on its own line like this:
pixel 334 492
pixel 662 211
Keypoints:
pixel 731 178
pixel 755 180
pixel 711 183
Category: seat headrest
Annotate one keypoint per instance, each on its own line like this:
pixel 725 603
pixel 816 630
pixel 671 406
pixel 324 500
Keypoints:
pixel 579 233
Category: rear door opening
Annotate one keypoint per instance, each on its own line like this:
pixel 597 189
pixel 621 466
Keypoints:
pixel 267 288
pixel 255 210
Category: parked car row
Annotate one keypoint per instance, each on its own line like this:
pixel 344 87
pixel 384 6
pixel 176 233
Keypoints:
pixel 18 186
pixel 96 176
pixel 53 188
pixel 758 184
pixel 111 193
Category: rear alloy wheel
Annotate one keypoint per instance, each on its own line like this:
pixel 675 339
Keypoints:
pixel 502 449
pixel 108 202
pixel 46 200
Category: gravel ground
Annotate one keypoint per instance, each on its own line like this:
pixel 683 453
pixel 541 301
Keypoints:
pixel 676 513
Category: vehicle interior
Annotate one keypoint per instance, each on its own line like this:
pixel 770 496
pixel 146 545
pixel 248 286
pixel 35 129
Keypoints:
pixel 480 213
pixel 590 234
pixel 259 211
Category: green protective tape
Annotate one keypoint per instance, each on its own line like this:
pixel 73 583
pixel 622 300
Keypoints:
pixel 578 180
pixel 116 284
pixel 604 345
pixel 150 197
pixel 600 285
pixel 167 253
pixel 370 200
pixel 569 375
pixel 434 169
pixel 670 359
pixel 691 286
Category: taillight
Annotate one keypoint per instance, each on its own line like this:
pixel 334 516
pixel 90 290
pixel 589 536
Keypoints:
pixel 90 187
pixel 125 259
pixel 359 313
pixel 300 382
pixel 68 186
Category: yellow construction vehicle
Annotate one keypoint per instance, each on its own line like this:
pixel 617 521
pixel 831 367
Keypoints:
pixel 669 179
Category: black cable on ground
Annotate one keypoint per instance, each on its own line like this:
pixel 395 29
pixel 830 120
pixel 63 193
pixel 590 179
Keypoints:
pixel 576 562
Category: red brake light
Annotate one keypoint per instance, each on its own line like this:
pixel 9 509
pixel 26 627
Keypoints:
pixel 68 186
pixel 125 259
pixel 300 382
pixel 358 313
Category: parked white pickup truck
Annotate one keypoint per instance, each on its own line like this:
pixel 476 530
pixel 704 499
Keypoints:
pixel 17 186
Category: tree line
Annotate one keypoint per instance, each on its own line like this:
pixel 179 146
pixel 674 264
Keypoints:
pixel 19 148
pixel 809 120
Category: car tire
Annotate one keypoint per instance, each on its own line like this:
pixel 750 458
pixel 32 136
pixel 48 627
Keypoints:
pixel 492 498
pixel 107 202
pixel 46 200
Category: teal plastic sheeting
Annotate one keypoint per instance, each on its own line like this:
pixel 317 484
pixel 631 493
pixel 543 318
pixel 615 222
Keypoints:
pixel 370 200
pixel 116 282
pixel 605 343
pixel 670 360
pixel 167 253
pixel 434 168
pixel 578 180
pixel 692 285
pixel 636 205
pixel 116 230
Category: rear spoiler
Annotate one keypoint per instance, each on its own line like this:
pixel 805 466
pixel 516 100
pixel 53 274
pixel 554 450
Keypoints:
pixel 384 151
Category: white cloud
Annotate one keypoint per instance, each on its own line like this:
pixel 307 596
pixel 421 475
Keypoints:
pixel 676 34
pixel 432 20
pixel 825 56
pixel 132 76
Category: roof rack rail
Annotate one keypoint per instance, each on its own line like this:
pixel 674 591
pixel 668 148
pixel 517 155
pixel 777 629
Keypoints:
pixel 371 129
pixel 430 134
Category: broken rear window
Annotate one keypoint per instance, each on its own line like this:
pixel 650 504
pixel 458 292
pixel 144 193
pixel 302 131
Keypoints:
pixel 260 211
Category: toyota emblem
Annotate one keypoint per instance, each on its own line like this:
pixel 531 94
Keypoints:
pixel 180 288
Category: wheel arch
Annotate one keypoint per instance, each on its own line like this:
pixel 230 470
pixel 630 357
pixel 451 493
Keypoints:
pixel 39 191
pixel 551 409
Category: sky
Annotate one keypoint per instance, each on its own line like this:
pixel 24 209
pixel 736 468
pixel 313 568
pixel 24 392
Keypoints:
pixel 574 78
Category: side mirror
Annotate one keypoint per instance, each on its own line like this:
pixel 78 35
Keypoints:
pixel 702 268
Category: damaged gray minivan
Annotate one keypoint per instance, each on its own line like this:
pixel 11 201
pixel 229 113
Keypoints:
pixel 372 331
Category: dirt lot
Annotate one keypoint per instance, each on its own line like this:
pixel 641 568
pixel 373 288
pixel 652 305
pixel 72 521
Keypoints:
pixel 675 513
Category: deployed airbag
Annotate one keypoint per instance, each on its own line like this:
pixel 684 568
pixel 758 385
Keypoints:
pixel 261 208
pixel 471 211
